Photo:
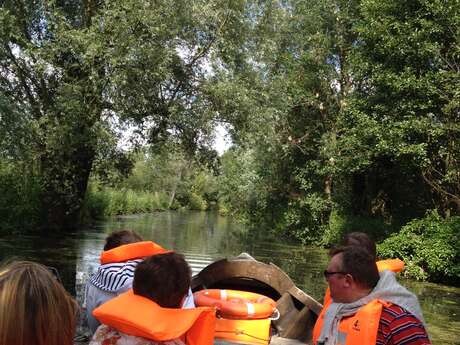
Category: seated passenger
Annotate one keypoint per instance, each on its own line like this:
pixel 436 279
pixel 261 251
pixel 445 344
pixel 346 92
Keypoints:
pixel 150 313
pixel 386 269
pixel 123 250
pixel 367 307
pixel 35 309
pixel 361 239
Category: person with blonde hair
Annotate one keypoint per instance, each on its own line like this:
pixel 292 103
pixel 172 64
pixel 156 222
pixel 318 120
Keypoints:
pixel 35 309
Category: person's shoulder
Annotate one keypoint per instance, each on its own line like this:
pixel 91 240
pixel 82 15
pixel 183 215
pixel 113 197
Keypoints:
pixel 402 327
pixel 394 312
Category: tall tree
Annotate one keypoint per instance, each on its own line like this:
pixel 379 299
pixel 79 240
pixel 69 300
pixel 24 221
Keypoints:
pixel 349 106
pixel 402 127
pixel 293 87
pixel 74 68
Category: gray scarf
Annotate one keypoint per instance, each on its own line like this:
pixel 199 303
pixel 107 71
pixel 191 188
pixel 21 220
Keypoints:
pixel 387 289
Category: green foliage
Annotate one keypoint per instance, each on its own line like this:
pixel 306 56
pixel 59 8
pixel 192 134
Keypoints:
pixel 284 112
pixel 341 223
pixel 18 200
pixel 169 170
pixel 345 117
pixel 344 114
pixel 74 74
pixel 162 177
pixel 95 204
pixel 236 181
pixel 101 202
pixel 430 248
pixel 401 123
pixel 305 218
pixel 196 202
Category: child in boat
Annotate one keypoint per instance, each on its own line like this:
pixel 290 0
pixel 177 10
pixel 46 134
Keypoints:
pixel 35 309
pixel 123 250
pixel 150 313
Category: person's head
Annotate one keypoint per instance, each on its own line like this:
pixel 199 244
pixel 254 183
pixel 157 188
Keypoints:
pixel 360 239
pixel 351 274
pixel 163 278
pixel 119 238
pixel 35 309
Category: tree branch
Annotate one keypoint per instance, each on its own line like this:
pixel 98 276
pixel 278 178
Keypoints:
pixel 198 56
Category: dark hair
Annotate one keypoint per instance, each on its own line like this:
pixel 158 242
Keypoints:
pixel 163 278
pixel 360 264
pixel 119 238
pixel 360 239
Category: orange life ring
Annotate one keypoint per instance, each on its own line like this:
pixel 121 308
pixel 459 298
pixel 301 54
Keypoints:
pixel 235 304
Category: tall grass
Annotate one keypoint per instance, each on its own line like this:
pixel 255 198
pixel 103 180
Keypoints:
pixel 19 200
pixel 101 202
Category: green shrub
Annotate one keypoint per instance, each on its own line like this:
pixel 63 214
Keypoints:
pixel 335 229
pixel 196 202
pixel 95 204
pixel 430 248
pixel 117 202
pixel 306 218
pixel 161 201
pixel 19 200
pixel 223 209
pixel 341 224
pixel 104 202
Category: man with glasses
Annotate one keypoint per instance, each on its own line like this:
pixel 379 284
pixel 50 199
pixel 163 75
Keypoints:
pixel 367 307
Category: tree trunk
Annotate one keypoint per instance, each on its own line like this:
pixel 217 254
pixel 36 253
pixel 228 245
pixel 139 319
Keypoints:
pixel 65 177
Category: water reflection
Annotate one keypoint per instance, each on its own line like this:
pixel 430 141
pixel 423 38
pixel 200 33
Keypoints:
pixel 204 237
pixel 55 251
pixel 441 309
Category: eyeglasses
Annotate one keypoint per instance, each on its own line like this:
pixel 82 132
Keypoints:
pixel 327 274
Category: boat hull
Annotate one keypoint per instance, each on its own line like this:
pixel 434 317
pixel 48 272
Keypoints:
pixel 298 311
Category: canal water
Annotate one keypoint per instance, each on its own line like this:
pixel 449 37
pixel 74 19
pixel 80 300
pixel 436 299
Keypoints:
pixel 204 237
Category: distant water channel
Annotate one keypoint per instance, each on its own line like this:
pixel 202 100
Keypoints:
pixel 204 237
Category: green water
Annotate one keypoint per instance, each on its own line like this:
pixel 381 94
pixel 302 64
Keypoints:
pixel 204 237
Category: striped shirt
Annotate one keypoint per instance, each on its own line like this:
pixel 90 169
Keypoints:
pixel 114 277
pixel 399 327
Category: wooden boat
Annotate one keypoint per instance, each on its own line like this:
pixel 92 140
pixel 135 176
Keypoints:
pixel 297 310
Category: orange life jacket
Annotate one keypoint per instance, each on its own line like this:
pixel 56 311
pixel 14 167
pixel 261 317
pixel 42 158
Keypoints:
pixel 131 251
pixel 139 316
pixel 358 329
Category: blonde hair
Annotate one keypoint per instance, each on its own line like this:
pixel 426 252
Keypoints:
pixel 35 309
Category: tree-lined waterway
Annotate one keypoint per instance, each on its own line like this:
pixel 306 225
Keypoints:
pixel 204 237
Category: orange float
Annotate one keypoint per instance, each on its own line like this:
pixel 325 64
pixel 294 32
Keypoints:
pixel 235 304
